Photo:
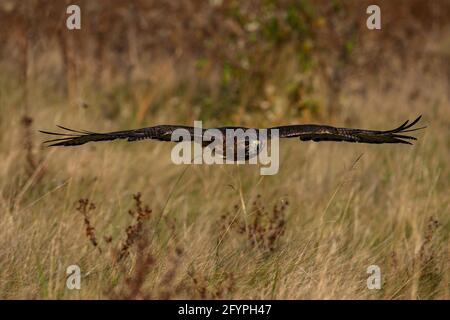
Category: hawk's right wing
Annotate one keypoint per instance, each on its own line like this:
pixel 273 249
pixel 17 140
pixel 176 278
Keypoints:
pixel 74 137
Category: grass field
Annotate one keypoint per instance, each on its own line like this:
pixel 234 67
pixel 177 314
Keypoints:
pixel 140 227
pixel 214 231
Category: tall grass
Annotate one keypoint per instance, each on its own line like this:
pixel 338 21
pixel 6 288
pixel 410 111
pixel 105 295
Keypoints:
pixel 141 227
pixel 389 209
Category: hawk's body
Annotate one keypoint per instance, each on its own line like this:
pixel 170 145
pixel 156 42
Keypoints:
pixel 250 145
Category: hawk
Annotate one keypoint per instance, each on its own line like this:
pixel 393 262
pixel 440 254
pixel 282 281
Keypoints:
pixel 247 145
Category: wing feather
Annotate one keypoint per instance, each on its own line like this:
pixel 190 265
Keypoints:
pixel 306 132
pixel 313 132
pixel 76 137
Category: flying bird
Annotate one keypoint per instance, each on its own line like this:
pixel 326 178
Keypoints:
pixel 248 146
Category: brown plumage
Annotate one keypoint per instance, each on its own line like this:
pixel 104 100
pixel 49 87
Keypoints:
pixel 327 133
pixel 304 132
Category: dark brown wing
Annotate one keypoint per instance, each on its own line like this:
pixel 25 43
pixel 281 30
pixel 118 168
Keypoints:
pixel 327 133
pixel 74 137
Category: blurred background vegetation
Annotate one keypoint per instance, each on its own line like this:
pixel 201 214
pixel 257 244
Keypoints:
pixel 248 62
pixel 315 226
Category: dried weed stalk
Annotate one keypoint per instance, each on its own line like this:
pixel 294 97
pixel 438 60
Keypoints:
pixel 263 228
pixel 33 162
pixel 134 231
pixel 84 207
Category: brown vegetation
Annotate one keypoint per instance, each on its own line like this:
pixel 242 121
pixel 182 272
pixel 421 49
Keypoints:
pixel 309 231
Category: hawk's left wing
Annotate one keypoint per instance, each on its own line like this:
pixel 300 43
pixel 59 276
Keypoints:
pixel 317 133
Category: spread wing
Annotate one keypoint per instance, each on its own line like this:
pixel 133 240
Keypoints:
pixel 328 133
pixel 305 132
pixel 75 137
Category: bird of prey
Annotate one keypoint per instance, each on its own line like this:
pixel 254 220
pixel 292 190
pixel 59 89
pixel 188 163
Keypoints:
pixel 249 145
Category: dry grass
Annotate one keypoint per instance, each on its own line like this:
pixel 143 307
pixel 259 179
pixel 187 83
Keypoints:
pixel 224 231
pixel 390 209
